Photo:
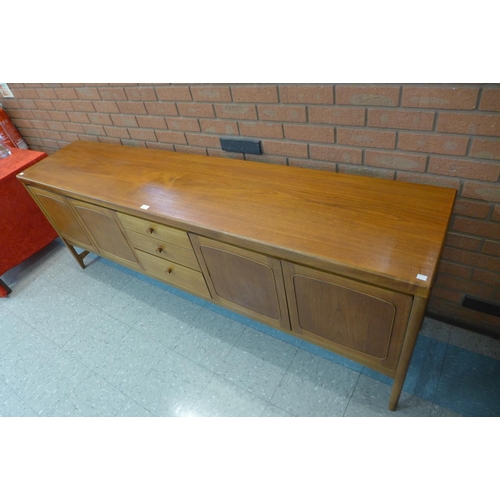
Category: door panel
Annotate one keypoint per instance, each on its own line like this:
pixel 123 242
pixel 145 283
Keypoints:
pixel 62 218
pixel 243 280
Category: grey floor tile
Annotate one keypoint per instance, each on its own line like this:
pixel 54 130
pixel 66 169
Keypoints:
pixel 208 339
pixel 23 360
pixel 168 319
pixel 439 411
pixel 257 363
pixel 274 411
pixel 132 301
pixel 97 339
pixel 93 397
pixel 14 406
pixel 130 361
pixel 133 409
pixel 371 399
pixel 5 391
pixel 315 387
pixel 172 386
pixel 52 383
pixel 12 330
pixel 222 398
pixel 475 342
pixel 435 329
pixel 97 284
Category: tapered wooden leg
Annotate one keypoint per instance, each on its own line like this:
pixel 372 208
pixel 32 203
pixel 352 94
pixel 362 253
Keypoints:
pixel 78 256
pixel 414 323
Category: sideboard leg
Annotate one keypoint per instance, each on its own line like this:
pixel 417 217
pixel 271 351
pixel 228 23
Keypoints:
pixel 414 324
pixel 78 256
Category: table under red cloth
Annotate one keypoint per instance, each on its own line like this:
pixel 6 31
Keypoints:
pixel 24 230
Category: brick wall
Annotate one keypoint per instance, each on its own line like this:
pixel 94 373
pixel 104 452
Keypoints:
pixel 442 134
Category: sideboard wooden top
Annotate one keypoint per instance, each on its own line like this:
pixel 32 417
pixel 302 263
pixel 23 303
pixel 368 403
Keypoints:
pixel 383 231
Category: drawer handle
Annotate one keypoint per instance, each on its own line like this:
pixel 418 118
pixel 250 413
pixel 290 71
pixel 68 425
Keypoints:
pixel 159 250
pixel 150 230
pixel 169 270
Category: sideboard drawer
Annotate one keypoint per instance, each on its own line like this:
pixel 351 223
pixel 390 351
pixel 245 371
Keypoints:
pixel 174 274
pixel 155 230
pixel 166 251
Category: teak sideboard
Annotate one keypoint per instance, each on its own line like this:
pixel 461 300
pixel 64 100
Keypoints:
pixel 345 262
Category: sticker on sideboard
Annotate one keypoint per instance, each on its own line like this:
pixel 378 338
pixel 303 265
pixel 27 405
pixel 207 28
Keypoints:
pixel 144 207
pixel 422 277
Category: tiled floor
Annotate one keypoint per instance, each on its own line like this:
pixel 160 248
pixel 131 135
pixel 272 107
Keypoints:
pixel 106 341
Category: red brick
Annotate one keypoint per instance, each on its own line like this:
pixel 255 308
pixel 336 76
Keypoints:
pixel 471 209
pixel 187 124
pixel 142 134
pixel 464 168
pixel 489 149
pixel 56 126
pixel 152 122
pixel 482 191
pixel 133 143
pixel 446 293
pixel 106 107
pixel 196 109
pixel 471 258
pixel 367 95
pixel 335 115
pixel 464 242
pixel 94 129
pixel 43 104
pixel 161 108
pixel 285 148
pixel 59 116
pixel 225 154
pixel 113 94
pixel 440 97
pixel 77 128
pixel 110 140
pixel 78 117
pixel 455 270
pixel 212 93
pixel 397 161
pixel 261 129
pixel 335 153
pixel 490 100
pixel 141 94
pixel 124 121
pixel 487 277
pixel 432 180
pixel 207 141
pixel 132 108
pixel 306 94
pixel 391 118
pixel 84 106
pixel 366 171
pixel 256 93
pixel 433 143
pixel 63 105
pixel 159 145
pixel 88 93
pixel 276 160
pixel 491 248
pixel 68 136
pixel 314 165
pixel 46 94
pixel 496 213
pixel 479 228
pixel 465 286
pixel 310 133
pixel 120 132
pixel 469 123
pixel 276 112
pixel 171 137
pixel 192 150
pixel 236 111
pixel 100 118
pixel 27 94
pixel 65 94
pixel 366 138
pixel 219 127
pixel 52 134
pixel 173 94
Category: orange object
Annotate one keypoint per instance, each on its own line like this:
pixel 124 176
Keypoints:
pixel 9 135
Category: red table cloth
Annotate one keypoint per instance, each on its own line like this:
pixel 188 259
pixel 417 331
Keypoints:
pixel 24 230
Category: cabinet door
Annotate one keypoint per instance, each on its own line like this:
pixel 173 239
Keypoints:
pixel 244 281
pixel 57 210
pixel 103 226
pixel 360 321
